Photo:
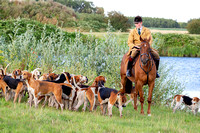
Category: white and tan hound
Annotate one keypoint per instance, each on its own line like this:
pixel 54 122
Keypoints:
pixel 192 103
pixel 41 88
pixel 87 94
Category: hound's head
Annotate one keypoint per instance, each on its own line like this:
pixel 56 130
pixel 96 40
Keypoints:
pixel 26 75
pixel 36 73
pixel 16 74
pixel 80 79
pixel 195 101
pixel 52 76
pixel 99 81
pixel 122 99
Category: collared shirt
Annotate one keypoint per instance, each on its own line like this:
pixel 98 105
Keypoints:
pixel 140 29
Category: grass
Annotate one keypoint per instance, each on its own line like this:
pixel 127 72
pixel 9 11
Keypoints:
pixel 25 119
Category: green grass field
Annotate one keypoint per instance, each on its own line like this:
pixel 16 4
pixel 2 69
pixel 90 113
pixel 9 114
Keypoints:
pixel 24 119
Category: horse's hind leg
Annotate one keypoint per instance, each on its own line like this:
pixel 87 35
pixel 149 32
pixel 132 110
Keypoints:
pixel 151 86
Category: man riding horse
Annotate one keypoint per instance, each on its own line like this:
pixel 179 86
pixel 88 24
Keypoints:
pixel 134 43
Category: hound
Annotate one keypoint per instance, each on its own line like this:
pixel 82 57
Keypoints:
pixel 14 85
pixel 192 103
pixel 42 88
pixel 108 97
pixel 87 94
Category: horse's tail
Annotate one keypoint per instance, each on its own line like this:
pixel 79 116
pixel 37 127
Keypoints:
pixel 129 86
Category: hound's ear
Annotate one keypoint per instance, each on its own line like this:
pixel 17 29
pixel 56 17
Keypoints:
pixel 198 99
pixel 121 91
pixel 29 75
pixel 34 76
pixel 77 78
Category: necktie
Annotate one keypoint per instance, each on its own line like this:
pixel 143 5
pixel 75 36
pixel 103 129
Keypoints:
pixel 139 31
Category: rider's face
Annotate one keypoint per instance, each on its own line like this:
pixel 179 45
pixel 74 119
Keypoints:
pixel 138 24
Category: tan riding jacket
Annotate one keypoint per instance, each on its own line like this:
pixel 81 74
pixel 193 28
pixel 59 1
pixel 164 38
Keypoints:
pixel 134 37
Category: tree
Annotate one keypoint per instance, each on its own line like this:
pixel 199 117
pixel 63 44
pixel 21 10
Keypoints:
pixel 100 10
pixel 193 26
pixel 118 21
pixel 80 6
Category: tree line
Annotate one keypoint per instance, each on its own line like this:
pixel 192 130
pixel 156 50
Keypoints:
pixel 80 14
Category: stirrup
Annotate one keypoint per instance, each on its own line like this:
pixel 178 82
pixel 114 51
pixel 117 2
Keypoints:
pixel 128 73
pixel 157 75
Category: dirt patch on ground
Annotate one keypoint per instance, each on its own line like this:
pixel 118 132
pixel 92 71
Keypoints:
pixel 169 31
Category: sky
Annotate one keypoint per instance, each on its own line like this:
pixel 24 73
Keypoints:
pixel 179 10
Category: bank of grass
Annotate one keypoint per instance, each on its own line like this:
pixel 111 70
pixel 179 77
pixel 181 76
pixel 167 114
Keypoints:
pixel 172 44
pixel 25 119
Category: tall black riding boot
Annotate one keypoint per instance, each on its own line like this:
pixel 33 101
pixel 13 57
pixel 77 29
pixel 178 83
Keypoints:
pixel 129 66
pixel 157 65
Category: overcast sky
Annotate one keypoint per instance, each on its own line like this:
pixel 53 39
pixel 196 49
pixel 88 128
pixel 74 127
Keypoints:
pixel 179 10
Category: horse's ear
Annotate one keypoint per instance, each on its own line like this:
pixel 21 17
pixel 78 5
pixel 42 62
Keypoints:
pixel 141 39
pixel 149 39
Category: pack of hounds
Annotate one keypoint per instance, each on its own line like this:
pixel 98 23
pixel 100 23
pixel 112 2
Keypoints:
pixel 69 91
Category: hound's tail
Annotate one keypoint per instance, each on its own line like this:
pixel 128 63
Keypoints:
pixel 6 69
pixel 173 101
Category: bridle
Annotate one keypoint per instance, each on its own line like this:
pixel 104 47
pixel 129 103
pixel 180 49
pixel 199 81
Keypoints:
pixel 150 66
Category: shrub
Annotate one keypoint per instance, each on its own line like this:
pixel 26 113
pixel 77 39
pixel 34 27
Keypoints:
pixel 118 21
pixel 176 44
pixel 15 27
pixel 193 26
pixel 84 55
pixel 46 12
pixel 93 22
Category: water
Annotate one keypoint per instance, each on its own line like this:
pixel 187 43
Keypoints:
pixel 187 71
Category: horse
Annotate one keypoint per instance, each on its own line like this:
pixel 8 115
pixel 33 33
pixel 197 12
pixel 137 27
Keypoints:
pixel 142 73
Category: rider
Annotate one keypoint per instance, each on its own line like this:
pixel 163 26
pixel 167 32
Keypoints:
pixel 134 43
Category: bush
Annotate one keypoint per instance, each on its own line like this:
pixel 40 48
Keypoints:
pixel 46 12
pixel 176 44
pixel 193 26
pixel 10 28
pixel 84 55
pixel 118 21
pixel 93 22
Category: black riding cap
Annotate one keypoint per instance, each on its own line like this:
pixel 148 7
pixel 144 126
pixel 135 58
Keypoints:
pixel 138 19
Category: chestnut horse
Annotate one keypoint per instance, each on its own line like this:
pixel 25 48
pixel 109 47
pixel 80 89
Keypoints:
pixel 142 73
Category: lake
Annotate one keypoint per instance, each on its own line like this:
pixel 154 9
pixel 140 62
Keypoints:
pixel 187 71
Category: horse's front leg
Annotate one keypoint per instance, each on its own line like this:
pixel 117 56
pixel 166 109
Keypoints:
pixel 139 86
pixel 135 99
pixel 151 86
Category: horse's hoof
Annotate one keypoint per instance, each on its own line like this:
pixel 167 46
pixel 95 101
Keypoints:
pixel 149 114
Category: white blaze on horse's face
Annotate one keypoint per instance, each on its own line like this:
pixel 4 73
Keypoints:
pixel 144 54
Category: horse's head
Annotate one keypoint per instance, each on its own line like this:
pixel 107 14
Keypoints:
pixel 145 51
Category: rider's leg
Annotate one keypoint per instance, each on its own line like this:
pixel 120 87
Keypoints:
pixel 132 57
pixel 157 60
